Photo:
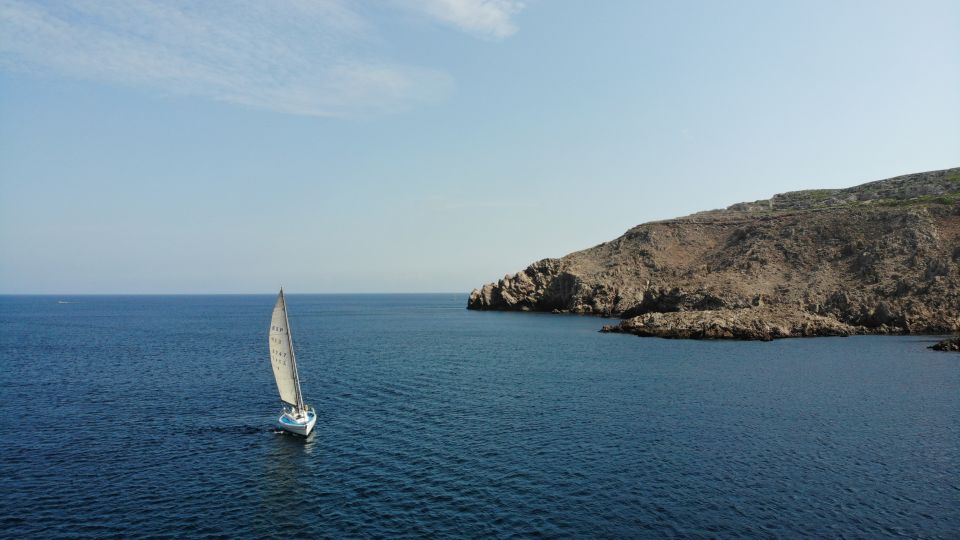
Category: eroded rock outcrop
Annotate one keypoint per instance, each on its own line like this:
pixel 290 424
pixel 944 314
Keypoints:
pixel 760 323
pixel 950 345
pixel 882 257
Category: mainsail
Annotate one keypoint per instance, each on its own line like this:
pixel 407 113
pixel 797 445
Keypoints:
pixel 282 358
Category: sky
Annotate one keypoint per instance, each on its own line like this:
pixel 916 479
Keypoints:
pixel 338 146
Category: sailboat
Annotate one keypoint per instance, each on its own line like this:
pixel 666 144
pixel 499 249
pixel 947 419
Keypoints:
pixel 297 417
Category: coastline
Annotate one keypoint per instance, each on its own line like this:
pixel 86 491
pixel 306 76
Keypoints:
pixel 879 258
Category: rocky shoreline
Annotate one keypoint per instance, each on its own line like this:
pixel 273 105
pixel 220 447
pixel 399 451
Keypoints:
pixel 762 324
pixel 950 345
pixel 880 258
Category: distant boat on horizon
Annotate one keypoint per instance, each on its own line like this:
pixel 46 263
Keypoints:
pixel 296 417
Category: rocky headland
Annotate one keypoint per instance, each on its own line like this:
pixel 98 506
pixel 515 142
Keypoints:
pixel 878 258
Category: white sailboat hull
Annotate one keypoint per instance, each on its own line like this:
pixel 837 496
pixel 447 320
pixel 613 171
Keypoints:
pixel 298 426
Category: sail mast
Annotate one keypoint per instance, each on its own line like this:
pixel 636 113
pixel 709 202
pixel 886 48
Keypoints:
pixel 293 356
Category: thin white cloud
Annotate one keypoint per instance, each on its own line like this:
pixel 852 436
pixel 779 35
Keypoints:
pixel 310 57
pixel 485 18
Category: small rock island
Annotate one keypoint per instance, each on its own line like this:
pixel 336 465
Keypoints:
pixel 878 258
pixel 950 345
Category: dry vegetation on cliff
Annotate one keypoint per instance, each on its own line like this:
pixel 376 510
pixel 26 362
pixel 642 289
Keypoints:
pixel 883 257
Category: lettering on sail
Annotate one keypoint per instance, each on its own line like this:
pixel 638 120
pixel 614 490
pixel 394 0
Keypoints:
pixel 278 356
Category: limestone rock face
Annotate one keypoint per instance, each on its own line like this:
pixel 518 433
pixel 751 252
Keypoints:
pixel 883 257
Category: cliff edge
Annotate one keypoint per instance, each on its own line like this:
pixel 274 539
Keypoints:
pixel 881 257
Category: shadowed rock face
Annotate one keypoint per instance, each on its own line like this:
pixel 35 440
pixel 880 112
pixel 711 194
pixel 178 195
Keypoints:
pixel 883 257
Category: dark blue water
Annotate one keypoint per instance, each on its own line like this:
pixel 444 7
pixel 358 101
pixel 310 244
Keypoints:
pixel 145 416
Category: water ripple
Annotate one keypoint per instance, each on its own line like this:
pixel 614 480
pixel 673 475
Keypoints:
pixel 152 416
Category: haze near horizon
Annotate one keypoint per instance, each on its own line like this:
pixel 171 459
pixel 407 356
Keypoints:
pixel 433 145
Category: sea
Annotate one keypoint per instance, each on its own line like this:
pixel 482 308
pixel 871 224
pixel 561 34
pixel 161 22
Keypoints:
pixel 153 416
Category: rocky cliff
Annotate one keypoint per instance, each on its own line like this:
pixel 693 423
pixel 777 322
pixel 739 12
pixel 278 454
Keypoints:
pixel 882 257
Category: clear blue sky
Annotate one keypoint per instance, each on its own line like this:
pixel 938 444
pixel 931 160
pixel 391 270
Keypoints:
pixel 432 145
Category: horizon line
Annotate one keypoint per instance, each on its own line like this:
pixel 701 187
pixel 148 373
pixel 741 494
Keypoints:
pixel 229 293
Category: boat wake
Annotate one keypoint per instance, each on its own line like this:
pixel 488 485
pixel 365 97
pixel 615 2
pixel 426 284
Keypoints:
pixel 240 430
